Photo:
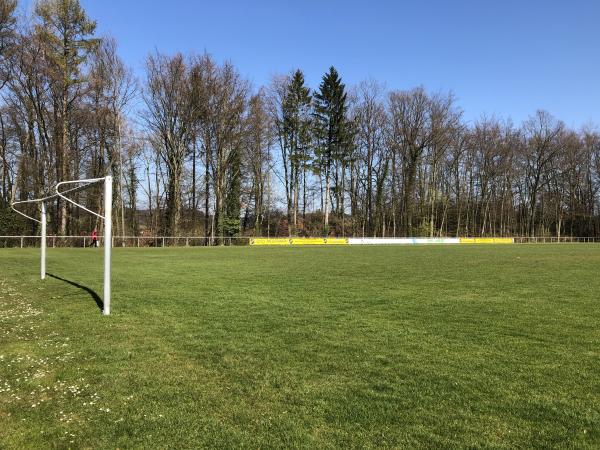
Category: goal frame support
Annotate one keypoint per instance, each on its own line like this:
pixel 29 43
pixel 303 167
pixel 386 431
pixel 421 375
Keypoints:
pixel 107 218
pixel 107 243
pixel 43 242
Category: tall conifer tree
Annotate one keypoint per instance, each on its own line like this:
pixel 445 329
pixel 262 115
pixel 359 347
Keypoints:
pixel 297 129
pixel 332 131
pixel 67 36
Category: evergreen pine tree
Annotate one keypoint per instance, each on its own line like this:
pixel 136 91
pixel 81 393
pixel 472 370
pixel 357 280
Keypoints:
pixel 67 36
pixel 332 131
pixel 297 130
pixel 231 223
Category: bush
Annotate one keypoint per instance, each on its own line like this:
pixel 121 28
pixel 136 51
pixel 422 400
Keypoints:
pixel 11 223
pixel 230 227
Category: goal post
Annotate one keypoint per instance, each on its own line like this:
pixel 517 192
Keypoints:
pixel 107 242
pixel 43 242
pixel 107 218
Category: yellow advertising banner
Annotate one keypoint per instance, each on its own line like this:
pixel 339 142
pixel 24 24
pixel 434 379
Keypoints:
pixel 298 241
pixel 319 241
pixel 336 241
pixel 270 241
pixel 486 240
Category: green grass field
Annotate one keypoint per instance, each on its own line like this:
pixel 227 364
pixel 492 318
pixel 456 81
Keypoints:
pixel 413 347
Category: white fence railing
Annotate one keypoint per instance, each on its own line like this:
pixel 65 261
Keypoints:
pixel 555 240
pixel 198 241
pixel 122 241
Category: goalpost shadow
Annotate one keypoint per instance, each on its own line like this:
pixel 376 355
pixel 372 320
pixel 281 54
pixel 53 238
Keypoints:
pixel 93 294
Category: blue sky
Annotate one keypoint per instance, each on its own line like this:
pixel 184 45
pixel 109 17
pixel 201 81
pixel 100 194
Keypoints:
pixel 507 58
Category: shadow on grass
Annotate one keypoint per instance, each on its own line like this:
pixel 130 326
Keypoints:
pixel 93 293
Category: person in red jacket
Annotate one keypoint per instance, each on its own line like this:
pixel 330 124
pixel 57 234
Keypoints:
pixel 94 238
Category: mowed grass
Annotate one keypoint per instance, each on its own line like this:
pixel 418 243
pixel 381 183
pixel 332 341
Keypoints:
pixel 398 346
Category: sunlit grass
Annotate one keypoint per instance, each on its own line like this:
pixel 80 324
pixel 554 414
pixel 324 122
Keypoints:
pixel 447 346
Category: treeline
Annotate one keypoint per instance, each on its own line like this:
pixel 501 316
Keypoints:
pixel 195 149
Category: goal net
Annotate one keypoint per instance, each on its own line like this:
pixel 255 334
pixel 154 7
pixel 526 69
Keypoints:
pixel 62 190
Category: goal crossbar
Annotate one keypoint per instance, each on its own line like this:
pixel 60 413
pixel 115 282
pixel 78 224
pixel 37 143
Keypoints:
pixel 58 193
pixel 77 189
pixel 107 217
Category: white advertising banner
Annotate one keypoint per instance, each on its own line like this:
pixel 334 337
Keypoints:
pixel 405 241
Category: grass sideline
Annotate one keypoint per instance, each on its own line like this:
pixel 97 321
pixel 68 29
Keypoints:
pixel 415 347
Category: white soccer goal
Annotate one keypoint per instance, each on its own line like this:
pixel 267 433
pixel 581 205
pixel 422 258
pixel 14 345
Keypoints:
pixel 107 217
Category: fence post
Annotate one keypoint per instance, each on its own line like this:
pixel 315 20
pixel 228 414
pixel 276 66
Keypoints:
pixel 21 241
pixel 163 241
pixel 138 242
